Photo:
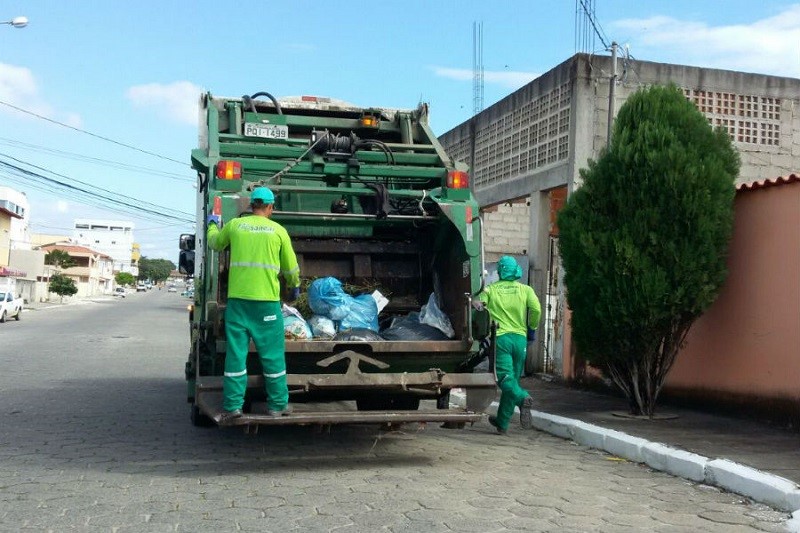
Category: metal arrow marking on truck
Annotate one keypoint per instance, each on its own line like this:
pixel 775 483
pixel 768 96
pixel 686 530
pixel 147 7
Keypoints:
pixel 355 358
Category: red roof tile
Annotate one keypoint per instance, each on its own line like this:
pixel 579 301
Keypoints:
pixel 73 249
pixel 769 182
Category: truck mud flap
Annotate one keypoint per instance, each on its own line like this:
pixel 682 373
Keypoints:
pixel 210 404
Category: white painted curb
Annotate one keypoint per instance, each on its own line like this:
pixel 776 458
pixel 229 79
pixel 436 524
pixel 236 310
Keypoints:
pixel 762 487
pixel 767 488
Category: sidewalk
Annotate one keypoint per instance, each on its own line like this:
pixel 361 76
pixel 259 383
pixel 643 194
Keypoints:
pixel 53 303
pixel 722 448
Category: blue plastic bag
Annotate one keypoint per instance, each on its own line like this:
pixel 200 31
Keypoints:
pixel 327 298
pixel 363 314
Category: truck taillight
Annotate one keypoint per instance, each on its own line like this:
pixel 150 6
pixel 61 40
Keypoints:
pixel 457 179
pixel 217 209
pixel 229 170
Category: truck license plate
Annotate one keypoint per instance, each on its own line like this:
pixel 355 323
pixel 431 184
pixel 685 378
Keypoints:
pixel 268 131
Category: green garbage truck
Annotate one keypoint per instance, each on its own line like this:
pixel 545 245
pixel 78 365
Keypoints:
pixel 370 199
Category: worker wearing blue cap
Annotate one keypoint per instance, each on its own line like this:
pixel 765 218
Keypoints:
pixel 516 310
pixel 260 251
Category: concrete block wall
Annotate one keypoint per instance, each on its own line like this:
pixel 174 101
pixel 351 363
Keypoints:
pixel 507 228
pixel 740 99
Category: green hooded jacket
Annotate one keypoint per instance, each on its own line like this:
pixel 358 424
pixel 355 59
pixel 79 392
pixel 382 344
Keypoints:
pixel 513 306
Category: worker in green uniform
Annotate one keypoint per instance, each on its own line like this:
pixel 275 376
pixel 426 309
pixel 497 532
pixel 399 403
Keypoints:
pixel 260 251
pixel 516 310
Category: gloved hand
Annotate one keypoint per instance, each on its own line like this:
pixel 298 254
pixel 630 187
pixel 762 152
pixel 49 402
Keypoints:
pixel 212 218
pixel 294 294
pixel 531 335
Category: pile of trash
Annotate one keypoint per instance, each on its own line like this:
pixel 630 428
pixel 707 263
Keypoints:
pixel 339 316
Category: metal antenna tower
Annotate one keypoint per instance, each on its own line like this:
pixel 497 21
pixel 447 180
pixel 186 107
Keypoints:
pixel 585 30
pixel 477 67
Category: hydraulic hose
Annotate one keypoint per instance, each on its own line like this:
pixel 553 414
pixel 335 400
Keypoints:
pixel 248 101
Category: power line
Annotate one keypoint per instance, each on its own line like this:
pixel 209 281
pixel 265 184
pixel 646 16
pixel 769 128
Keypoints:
pixel 96 160
pixel 95 196
pixel 92 134
pixel 590 15
pixel 79 181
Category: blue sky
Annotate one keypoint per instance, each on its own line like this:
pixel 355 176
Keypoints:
pixel 131 72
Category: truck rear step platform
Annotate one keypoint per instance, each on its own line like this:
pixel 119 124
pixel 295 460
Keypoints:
pixel 210 404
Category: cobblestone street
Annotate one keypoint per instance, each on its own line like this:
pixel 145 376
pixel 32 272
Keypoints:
pixel 96 437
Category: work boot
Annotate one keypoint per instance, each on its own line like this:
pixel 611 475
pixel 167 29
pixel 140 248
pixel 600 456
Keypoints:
pixel 280 412
pixel 493 422
pixel 525 415
pixel 227 416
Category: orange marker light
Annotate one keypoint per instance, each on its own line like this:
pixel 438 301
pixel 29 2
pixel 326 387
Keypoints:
pixel 457 179
pixel 217 209
pixel 368 121
pixel 229 170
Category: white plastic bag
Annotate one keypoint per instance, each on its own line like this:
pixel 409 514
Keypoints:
pixel 294 325
pixel 431 315
pixel 322 327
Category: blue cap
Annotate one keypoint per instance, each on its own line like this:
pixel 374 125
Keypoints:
pixel 263 194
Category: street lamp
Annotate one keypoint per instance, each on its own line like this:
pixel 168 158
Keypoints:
pixel 17 22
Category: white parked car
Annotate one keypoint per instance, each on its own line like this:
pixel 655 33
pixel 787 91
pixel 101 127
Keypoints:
pixel 10 307
pixel 119 292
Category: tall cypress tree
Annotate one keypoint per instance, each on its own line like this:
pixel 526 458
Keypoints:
pixel 644 240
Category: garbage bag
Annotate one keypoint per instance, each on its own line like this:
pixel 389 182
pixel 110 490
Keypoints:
pixel 326 297
pixel 357 334
pixel 431 315
pixel 409 328
pixel 322 327
pixel 296 328
pixel 363 314
pixel 288 310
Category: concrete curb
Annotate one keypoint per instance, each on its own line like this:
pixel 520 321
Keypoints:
pixel 762 487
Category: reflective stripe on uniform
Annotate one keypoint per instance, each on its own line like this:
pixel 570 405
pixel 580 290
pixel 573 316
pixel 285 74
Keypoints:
pixel 295 269
pixel 235 374
pixel 255 265
pixel 279 374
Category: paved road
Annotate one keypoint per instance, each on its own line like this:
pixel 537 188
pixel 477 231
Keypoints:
pixel 95 436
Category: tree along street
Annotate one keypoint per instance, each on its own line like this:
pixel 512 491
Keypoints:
pixel 96 437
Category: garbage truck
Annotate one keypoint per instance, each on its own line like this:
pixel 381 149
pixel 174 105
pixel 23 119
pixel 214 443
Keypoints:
pixel 371 200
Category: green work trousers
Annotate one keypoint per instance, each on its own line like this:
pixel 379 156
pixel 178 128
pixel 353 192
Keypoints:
pixel 263 322
pixel 509 364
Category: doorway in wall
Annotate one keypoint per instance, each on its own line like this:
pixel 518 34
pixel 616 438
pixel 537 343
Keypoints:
pixel 553 304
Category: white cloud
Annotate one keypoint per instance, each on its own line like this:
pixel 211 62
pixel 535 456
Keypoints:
pixel 766 46
pixel 506 78
pixel 74 120
pixel 18 87
pixel 176 101
pixel 62 206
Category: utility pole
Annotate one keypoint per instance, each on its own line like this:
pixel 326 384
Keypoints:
pixel 612 92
